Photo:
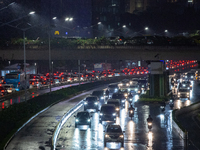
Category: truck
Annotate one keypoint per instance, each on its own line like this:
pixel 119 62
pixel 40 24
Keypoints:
pixel 102 66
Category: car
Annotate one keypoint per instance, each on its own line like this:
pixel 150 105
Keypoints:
pixel 113 88
pixel 143 84
pixel 9 87
pixel 124 84
pixel 115 102
pixel 100 94
pixel 3 90
pixel 183 93
pixel 114 133
pixel 186 84
pixel 134 89
pixel 82 118
pixel 91 102
pixel 121 97
pixel 107 113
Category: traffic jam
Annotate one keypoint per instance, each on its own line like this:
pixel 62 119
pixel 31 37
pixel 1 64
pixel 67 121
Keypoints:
pixel 15 81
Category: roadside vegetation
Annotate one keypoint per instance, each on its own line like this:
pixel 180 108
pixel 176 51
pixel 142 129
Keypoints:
pixel 192 40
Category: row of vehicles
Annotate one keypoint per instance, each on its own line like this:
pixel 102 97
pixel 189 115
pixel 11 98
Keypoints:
pixel 182 84
pixel 108 103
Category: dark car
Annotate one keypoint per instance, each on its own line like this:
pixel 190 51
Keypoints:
pixel 107 113
pixel 115 102
pixel 82 118
pixel 143 84
pixel 91 102
pixel 121 97
pixel 113 88
pixel 99 93
pixel 3 90
pixel 114 134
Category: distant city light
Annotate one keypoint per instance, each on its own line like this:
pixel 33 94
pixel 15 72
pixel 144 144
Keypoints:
pixel 32 12
pixel 54 18
pixel 124 26
pixel 146 28
pixel 99 22
pixel 166 30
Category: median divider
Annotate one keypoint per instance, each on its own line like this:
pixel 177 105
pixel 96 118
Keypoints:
pixel 62 122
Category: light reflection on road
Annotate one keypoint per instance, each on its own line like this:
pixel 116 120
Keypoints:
pixel 137 135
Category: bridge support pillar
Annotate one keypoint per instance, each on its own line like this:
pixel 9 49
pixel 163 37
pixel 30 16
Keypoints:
pixel 158 80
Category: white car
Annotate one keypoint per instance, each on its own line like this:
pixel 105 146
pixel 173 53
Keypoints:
pixel 10 88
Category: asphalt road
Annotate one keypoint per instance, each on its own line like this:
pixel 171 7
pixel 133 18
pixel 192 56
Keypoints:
pixel 136 131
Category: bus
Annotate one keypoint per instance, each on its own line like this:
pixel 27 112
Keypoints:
pixel 18 80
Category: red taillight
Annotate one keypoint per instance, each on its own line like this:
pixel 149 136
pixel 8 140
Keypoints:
pixel 18 83
pixel 2 90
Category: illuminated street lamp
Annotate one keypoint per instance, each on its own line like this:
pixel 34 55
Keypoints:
pixel 146 28
pixel 124 26
pixel 32 12
pixel 54 18
pixel 99 22
pixel 68 19
pixel 166 31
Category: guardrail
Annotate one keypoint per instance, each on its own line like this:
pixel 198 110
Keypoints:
pixel 62 121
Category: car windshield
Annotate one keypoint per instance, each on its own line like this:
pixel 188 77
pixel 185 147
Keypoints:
pixel 133 86
pixel 83 115
pixel 113 102
pixel 91 98
pixel 117 96
pixel 114 129
pixel 142 81
pixel 97 93
pixel 113 86
pixel 183 90
pixel 107 109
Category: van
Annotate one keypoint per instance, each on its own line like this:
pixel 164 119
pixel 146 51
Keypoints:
pixel 107 113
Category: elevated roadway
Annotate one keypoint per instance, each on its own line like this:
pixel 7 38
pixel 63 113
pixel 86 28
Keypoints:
pixel 104 53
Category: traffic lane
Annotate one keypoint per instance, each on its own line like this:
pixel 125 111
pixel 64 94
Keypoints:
pixel 17 99
pixel 189 122
pixel 38 132
pixel 137 134
pixel 163 136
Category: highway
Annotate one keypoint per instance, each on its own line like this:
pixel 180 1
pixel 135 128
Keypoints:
pixel 37 134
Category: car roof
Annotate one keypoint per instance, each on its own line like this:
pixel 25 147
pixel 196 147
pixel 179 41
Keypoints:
pixel 113 125
pixel 106 105
pixel 113 100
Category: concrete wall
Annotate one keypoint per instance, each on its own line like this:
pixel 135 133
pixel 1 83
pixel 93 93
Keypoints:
pixel 105 53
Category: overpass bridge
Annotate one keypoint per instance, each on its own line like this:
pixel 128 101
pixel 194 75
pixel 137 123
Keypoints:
pixel 103 53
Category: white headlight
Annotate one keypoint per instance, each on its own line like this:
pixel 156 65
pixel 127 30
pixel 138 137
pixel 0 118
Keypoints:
pixel 121 136
pixel 101 114
pixel 96 103
pixel 85 103
pixel 136 90
pixel 188 93
pixel 127 84
pixel 88 120
pixel 102 97
pixel 77 120
pixel 106 135
pixel 114 114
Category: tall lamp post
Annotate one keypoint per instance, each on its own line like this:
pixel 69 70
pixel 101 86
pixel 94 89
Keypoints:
pixel 24 30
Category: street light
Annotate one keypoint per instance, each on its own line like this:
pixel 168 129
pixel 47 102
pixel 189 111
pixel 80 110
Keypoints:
pixel 32 12
pixel 146 28
pixel 68 19
pixel 54 18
